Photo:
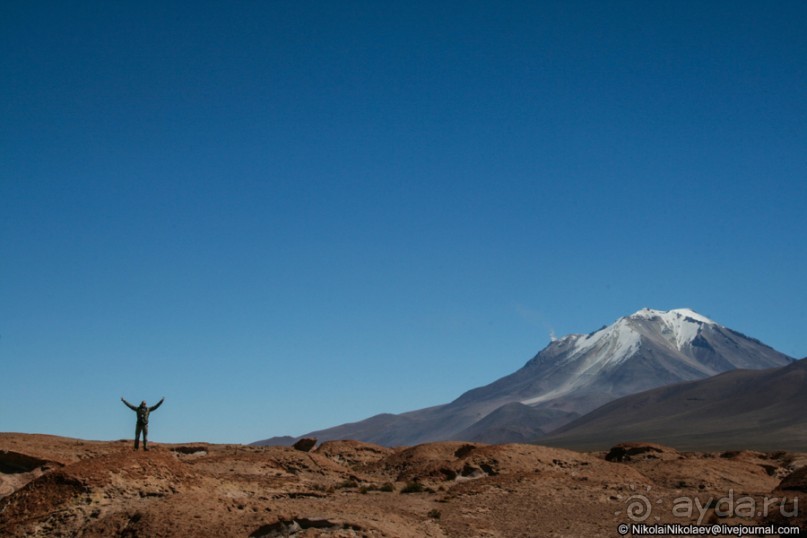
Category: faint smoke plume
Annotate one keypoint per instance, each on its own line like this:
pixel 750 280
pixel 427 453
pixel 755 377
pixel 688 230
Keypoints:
pixel 535 318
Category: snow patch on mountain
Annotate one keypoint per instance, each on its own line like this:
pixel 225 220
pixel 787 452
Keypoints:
pixel 593 353
pixel 669 316
pixel 680 326
pixel 613 344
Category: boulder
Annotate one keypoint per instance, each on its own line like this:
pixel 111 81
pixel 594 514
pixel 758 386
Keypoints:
pixel 795 481
pixel 305 444
pixel 624 452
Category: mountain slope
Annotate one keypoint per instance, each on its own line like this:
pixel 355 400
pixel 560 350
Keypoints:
pixel 742 409
pixel 574 375
pixel 514 421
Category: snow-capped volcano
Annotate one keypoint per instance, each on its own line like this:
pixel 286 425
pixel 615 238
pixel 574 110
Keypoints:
pixel 594 355
pixel 574 375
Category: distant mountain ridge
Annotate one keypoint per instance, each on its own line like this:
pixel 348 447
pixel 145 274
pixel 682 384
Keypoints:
pixel 740 409
pixel 572 376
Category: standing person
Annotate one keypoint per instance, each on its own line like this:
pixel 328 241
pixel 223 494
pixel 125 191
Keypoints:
pixel 142 420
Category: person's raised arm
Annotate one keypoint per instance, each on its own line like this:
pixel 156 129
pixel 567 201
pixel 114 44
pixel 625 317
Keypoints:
pixel 158 404
pixel 130 406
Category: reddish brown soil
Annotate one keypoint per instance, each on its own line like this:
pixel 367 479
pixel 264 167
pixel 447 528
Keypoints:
pixel 54 486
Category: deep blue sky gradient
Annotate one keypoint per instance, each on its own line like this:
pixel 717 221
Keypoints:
pixel 288 215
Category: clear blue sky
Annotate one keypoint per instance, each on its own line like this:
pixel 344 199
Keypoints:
pixel 283 216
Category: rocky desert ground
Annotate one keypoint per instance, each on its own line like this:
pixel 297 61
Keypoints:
pixel 55 486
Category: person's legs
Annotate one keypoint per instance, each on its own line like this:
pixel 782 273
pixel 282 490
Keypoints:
pixel 138 429
pixel 145 436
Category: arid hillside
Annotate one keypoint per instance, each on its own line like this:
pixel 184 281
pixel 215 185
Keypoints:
pixel 759 409
pixel 54 486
